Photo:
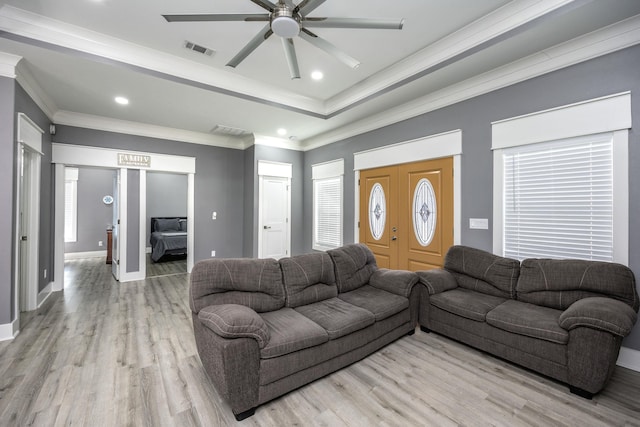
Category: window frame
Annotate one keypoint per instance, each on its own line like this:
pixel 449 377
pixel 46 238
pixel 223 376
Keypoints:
pixel 71 186
pixel 323 173
pixel 607 114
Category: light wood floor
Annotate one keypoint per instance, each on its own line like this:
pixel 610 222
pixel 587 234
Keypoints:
pixel 110 354
pixel 168 265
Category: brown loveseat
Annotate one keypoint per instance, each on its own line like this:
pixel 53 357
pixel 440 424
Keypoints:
pixel 562 318
pixel 265 327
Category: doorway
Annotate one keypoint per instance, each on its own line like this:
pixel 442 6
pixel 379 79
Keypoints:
pixel 406 213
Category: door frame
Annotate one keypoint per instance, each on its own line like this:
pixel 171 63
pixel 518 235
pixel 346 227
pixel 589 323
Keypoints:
pixel 277 170
pixel 80 155
pixel 28 138
pixel 446 144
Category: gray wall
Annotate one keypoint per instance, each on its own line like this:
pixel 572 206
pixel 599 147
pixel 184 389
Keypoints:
pixel 7 205
pixel 166 196
pixel 218 184
pixel 613 73
pixel 93 215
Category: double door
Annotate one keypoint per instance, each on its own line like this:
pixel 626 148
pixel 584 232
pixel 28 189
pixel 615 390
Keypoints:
pixel 406 213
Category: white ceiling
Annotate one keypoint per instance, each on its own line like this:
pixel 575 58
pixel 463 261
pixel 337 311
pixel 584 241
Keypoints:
pixel 77 55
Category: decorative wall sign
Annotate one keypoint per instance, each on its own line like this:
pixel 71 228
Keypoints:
pixel 424 212
pixel 141 160
pixel 377 211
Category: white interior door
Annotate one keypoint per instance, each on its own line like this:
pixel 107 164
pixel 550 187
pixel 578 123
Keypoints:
pixel 28 237
pixel 274 217
pixel 115 234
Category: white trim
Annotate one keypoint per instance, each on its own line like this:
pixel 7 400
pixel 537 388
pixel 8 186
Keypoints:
pixel 621 196
pixel 8 64
pixel 123 207
pixel 190 218
pixel 457 200
pixel 82 255
pixel 590 117
pixel 9 331
pixel 44 294
pixel 444 144
pixel 356 206
pixel 280 170
pixel 108 158
pixel 29 133
pixel 58 251
pixel 629 358
pixel 35 91
pixel 142 226
pixel 498 201
pixel 330 169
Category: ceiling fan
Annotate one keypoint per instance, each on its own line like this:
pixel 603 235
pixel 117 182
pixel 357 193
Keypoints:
pixel 288 20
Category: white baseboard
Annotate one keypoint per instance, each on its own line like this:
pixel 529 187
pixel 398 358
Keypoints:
pixel 629 358
pixel 9 331
pixel 79 255
pixel 44 294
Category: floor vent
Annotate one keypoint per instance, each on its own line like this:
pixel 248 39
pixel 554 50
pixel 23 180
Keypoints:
pixel 197 48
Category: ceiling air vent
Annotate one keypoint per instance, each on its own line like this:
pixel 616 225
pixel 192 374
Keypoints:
pixel 197 48
pixel 227 130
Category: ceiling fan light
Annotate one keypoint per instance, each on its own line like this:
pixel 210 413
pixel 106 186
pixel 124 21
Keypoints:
pixel 285 26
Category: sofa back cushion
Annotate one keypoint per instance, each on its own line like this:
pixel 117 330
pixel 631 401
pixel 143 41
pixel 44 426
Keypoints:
pixel 308 278
pixel 255 283
pixel 559 283
pixel 354 264
pixel 483 271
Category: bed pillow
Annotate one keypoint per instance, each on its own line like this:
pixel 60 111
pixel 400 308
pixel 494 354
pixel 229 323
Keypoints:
pixel 167 224
pixel 183 225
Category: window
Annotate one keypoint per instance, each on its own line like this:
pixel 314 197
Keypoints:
pixel 558 199
pixel 70 205
pixel 561 182
pixel 327 204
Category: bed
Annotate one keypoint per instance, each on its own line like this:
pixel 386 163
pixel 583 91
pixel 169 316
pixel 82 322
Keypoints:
pixel 168 236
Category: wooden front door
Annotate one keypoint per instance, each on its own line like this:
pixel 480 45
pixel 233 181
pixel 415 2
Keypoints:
pixel 406 213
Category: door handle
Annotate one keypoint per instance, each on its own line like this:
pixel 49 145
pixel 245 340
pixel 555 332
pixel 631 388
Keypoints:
pixel 267 227
pixel 23 238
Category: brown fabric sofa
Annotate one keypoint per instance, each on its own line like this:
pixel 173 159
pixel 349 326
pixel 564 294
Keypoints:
pixel 562 318
pixel 265 327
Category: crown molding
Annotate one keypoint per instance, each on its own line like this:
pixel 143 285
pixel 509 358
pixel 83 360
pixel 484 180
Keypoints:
pixel 464 42
pixel 54 33
pixel 278 143
pixel 89 121
pixel 8 64
pixel 35 91
pixel 615 37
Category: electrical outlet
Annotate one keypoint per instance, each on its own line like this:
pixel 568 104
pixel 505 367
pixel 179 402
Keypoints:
pixel 100 243
pixel 213 253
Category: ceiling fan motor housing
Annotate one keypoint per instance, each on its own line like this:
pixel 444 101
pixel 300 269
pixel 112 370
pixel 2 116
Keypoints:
pixel 285 23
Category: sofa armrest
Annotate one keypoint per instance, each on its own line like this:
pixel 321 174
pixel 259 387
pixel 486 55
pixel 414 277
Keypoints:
pixel 399 282
pixel 235 321
pixel 437 281
pixel 605 314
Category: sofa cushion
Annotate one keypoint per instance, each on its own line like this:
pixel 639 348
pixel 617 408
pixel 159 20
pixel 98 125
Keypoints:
pixel 256 283
pixel 353 264
pixel 337 317
pixel 290 331
pixel 466 303
pixel 559 283
pixel 377 301
pixel 235 321
pixel 308 278
pixel 529 320
pixel 482 271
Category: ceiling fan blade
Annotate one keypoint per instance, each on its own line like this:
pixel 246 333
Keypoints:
pixel 307 6
pixel 292 60
pixel 264 34
pixel 321 43
pixel 204 17
pixel 265 4
pixel 377 24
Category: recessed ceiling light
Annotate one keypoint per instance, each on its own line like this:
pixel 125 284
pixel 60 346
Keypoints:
pixel 317 75
pixel 121 100
pixel 282 131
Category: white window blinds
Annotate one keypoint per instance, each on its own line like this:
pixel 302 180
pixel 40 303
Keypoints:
pixel 327 205
pixel 558 199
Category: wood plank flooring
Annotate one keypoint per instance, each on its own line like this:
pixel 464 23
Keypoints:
pixel 176 264
pixel 108 354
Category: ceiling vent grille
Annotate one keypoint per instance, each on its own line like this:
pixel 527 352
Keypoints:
pixel 227 130
pixel 197 48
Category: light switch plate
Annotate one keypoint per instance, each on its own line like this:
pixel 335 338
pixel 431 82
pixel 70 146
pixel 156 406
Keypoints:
pixel 479 223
